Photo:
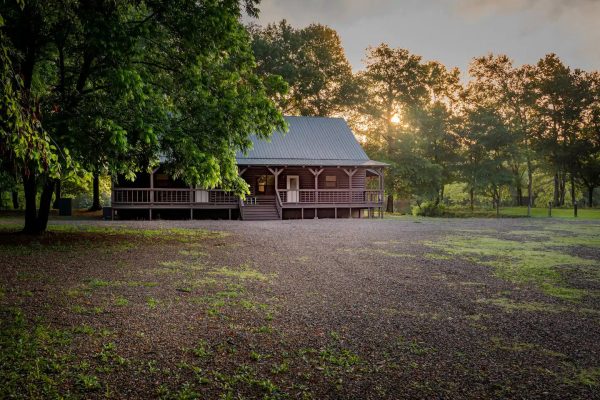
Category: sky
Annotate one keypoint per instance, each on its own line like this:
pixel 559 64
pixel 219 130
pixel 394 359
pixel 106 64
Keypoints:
pixel 455 31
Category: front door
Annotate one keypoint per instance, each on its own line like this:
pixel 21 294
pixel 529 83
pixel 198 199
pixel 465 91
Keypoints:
pixel 293 187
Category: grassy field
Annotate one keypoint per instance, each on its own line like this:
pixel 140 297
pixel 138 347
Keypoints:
pixel 369 309
pixel 514 212
pixel 582 213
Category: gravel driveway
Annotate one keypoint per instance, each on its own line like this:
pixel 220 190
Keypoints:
pixel 312 309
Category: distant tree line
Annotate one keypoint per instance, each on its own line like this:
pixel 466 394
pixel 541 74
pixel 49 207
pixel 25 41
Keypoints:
pixel 498 129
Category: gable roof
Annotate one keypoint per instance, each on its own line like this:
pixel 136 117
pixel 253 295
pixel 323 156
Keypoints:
pixel 316 141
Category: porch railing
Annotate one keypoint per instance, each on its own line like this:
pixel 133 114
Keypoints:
pixel 330 196
pixel 157 196
pixel 172 196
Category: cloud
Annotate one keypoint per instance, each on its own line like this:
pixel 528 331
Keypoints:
pixel 574 18
pixel 307 11
pixel 553 8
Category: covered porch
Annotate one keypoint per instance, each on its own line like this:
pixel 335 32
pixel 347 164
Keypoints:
pixel 352 191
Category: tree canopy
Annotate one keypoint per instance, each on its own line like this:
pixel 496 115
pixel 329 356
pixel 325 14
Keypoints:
pixel 103 85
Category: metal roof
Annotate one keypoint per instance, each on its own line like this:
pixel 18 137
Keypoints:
pixel 309 141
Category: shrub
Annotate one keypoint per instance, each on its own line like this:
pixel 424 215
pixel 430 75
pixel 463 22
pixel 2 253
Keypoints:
pixel 428 209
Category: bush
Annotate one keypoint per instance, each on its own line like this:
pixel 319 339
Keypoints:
pixel 428 209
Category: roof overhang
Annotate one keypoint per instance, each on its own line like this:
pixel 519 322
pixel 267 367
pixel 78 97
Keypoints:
pixel 250 162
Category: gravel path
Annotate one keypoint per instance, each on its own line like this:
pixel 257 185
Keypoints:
pixel 333 309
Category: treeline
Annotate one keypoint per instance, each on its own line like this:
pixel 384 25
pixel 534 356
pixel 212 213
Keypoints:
pixel 495 131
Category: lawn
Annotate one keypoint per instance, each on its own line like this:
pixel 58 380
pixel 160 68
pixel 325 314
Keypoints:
pixel 536 212
pixel 582 213
pixel 324 309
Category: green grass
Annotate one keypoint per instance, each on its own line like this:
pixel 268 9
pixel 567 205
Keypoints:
pixel 539 262
pixel 244 272
pixel 537 212
pixel 512 212
pixel 34 361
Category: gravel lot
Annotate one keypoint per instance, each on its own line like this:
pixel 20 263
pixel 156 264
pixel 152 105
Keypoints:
pixel 352 309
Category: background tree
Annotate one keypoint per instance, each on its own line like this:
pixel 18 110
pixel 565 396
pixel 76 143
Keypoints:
pixel 312 62
pixel 394 81
pixel 487 144
pixel 561 99
pixel 506 88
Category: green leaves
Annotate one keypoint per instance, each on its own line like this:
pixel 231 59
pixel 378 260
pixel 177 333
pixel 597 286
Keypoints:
pixel 312 62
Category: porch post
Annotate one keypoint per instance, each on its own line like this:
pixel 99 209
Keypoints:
pixel 276 172
pixel 151 198
pixel 381 190
pixel 350 173
pixel 316 173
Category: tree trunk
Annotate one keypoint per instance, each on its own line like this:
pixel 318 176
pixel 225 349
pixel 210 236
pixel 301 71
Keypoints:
pixel 96 194
pixel 15 199
pixel 471 198
pixel 519 195
pixel 556 191
pixel 573 190
pixel 529 188
pixel 57 195
pixel 29 186
pixel 45 202
pixel 563 188
pixel 36 221
pixel 590 196
pixel 390 204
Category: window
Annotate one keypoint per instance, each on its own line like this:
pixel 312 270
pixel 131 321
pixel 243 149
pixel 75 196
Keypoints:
pixel 264 181
pixel 330 181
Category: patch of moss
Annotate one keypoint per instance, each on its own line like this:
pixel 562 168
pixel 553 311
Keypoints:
pixel 589 376
pixel 121 301
pixel 244 272
pixel 511 305
pixel 192 253
pixel 437 256
pixel 519 261
pixel 524 347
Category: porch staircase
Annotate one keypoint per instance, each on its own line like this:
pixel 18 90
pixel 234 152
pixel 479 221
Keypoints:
pixel 264 209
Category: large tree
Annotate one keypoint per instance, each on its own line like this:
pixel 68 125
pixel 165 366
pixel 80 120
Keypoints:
pixel 312 62
pixel 486 143
pixel 116 84
pixel 409 115
pixel 562 99
pixel 498 84
pixel 395 90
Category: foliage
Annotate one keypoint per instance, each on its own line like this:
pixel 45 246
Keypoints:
pixel 428 209
pixel 312 62
pixel 119 85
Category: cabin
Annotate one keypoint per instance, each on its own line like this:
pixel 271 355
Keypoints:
pixel 315 170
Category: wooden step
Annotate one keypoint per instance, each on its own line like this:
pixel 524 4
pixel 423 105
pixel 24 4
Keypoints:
pixel 264 209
